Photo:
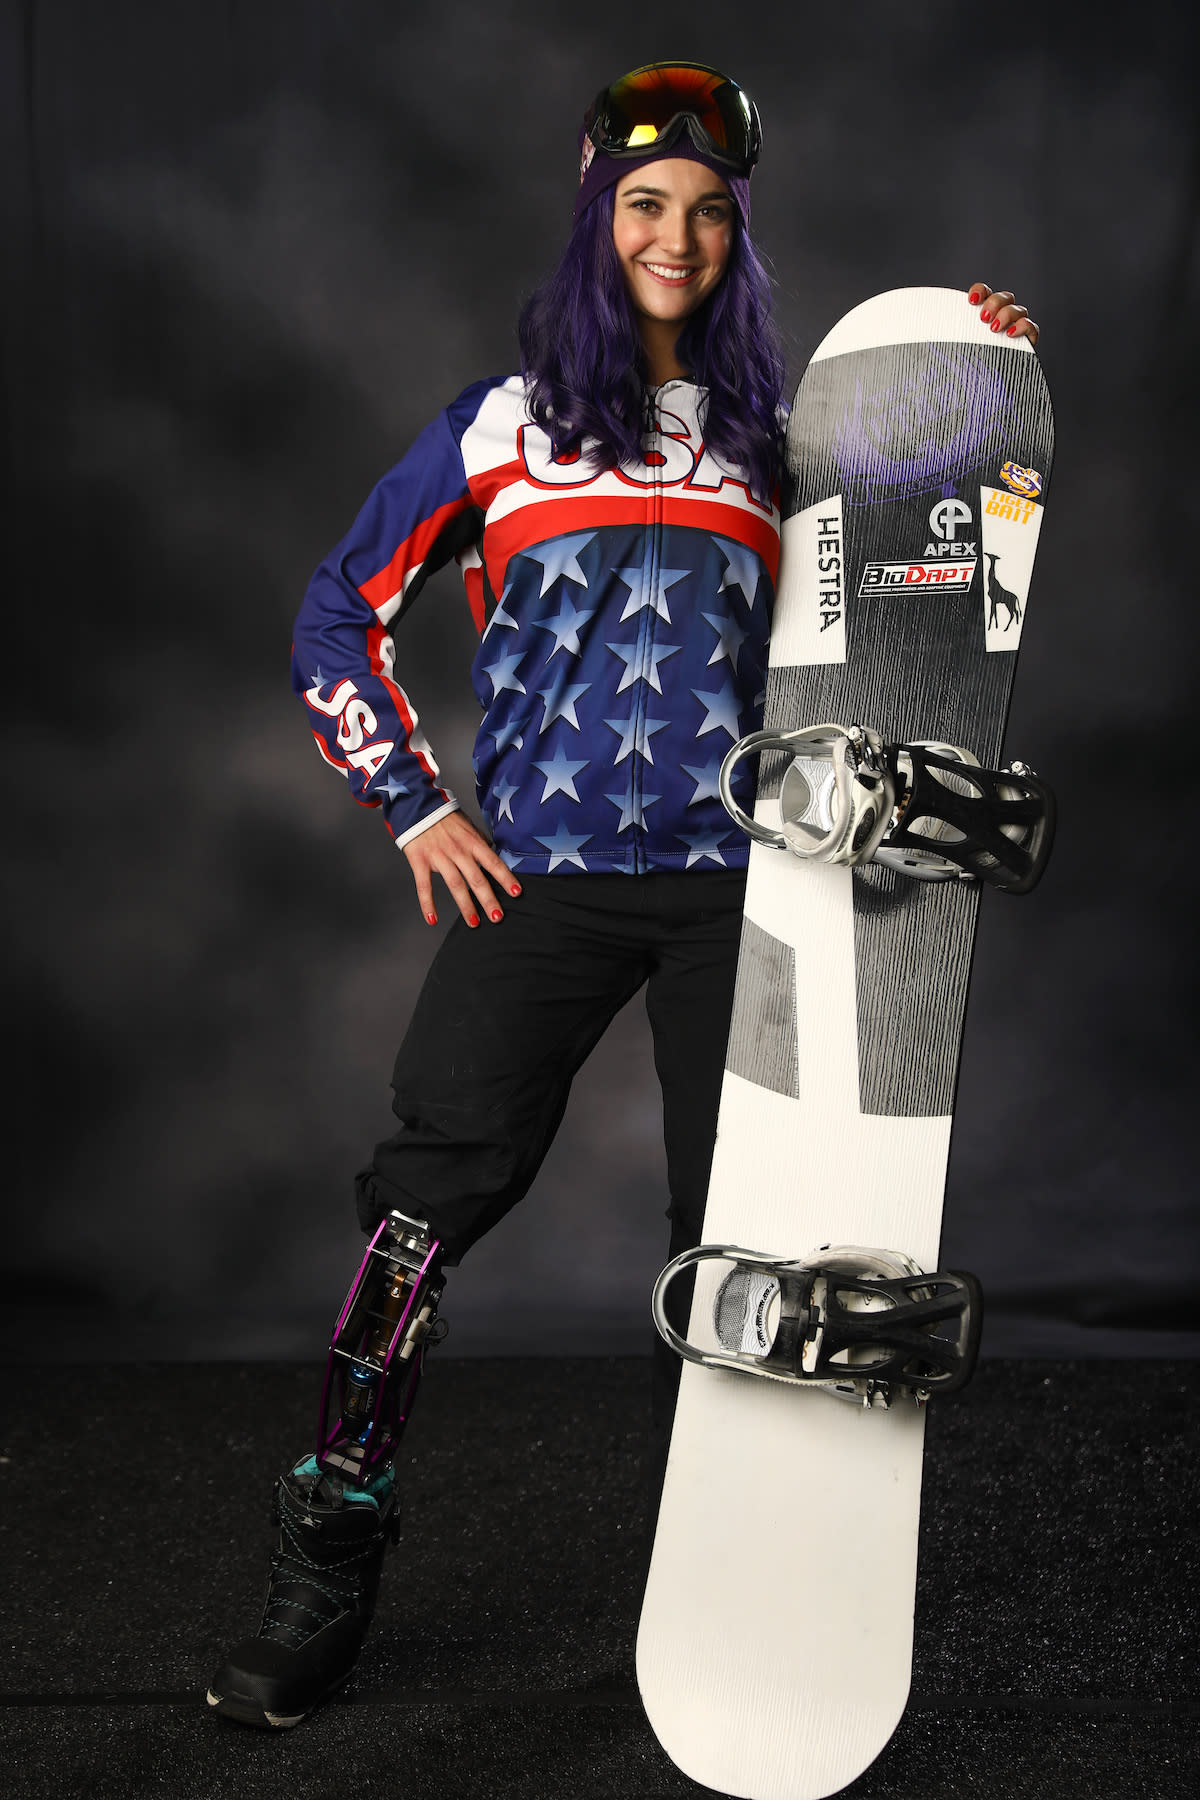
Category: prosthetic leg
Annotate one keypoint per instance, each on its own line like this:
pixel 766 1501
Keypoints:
pixel 336 1509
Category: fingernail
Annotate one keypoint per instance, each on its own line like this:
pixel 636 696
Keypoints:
pixel 996 325
pixel 495 915
pixel 973 298
pixel 1012 331
pixel 514 890
pixel 431 918
pixel 474 919
pixel 986 317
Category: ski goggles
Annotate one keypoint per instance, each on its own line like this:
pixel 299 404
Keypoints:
pixel 650 109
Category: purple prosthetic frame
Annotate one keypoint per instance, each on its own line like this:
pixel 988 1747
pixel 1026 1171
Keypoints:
pixel 377 1352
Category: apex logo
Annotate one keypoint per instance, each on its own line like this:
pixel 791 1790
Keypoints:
pixel 946 519
pixel 947 516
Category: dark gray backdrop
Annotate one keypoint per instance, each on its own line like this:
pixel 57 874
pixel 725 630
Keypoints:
pixel 253 249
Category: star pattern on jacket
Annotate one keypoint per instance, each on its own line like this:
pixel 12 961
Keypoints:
pixel 632 807
pixel 730 638
pixel 393 788
pixel 499 616
pixel 742 568
pixel 635 733
pixel 703 844
pixel 559 772
pixel 560 698
pixel 564 847
pixel 504 792
pixel 720 711
pixel 705 776
pixel 641 662
pixel 508 735
pixel 565 627
pixel 648 585
pixel 560 557
pixel 712 636
pixel 503 674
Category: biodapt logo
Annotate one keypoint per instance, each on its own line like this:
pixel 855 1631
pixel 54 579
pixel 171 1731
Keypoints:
pixel 956 572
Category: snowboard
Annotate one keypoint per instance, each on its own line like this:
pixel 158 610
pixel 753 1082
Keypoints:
pixel 775 1645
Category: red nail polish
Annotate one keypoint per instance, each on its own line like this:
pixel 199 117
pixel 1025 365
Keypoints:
pixel 986 318
pixel 1012 331
pixel 431 918
pixel 514 890
pixel 495 915
pixel 474 919
pixel 996 325
pixel 973 298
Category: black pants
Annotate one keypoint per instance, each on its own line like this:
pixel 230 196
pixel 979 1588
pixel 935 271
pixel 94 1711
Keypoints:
pixel 509 1012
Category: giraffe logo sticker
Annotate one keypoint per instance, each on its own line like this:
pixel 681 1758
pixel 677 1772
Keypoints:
pixel 1008 542
pixel 1000 598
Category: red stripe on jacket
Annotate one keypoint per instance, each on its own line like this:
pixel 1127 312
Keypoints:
pixel 588 512
pixel 409 555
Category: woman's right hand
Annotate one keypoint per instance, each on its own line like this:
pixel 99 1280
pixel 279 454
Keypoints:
pixel 464 859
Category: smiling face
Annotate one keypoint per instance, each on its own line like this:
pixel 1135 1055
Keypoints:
pixel 673 230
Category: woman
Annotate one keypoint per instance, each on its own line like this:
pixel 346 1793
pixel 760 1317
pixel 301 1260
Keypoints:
pixel 613 509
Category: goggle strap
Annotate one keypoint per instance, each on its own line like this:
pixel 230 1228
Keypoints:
pixel 670 134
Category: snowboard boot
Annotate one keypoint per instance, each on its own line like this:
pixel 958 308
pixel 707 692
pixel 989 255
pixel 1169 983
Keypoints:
pixel 324 1575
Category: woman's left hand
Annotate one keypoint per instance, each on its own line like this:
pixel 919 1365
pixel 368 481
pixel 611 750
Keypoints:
pixel 1001 312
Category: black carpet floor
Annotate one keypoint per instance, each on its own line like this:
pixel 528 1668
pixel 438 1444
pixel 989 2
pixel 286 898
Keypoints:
pixel 1056 1606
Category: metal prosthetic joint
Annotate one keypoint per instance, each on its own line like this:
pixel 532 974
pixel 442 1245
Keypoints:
pixel 377 1353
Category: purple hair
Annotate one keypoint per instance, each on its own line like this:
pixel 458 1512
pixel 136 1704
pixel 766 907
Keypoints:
pixel 582 356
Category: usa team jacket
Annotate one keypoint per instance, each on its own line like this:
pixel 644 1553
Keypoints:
pixel 623 622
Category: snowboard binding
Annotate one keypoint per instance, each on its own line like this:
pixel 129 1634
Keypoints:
pixel 927 810
pixel 377 1353
pixel 867 1326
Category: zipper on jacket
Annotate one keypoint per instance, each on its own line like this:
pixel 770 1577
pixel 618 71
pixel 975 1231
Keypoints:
pixel 647 631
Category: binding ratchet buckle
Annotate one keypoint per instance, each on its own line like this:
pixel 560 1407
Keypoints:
pixel 861 1325
pixel 927 810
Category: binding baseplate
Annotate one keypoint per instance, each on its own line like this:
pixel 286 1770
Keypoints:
pixel 925 809
pixel 867 1326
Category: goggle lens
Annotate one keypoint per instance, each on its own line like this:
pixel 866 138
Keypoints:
pixel 637 110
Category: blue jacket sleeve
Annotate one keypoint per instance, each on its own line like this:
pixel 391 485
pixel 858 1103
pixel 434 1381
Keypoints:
pixel 364 723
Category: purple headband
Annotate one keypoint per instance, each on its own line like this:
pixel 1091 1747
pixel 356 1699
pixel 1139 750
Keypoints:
pixel 598 172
